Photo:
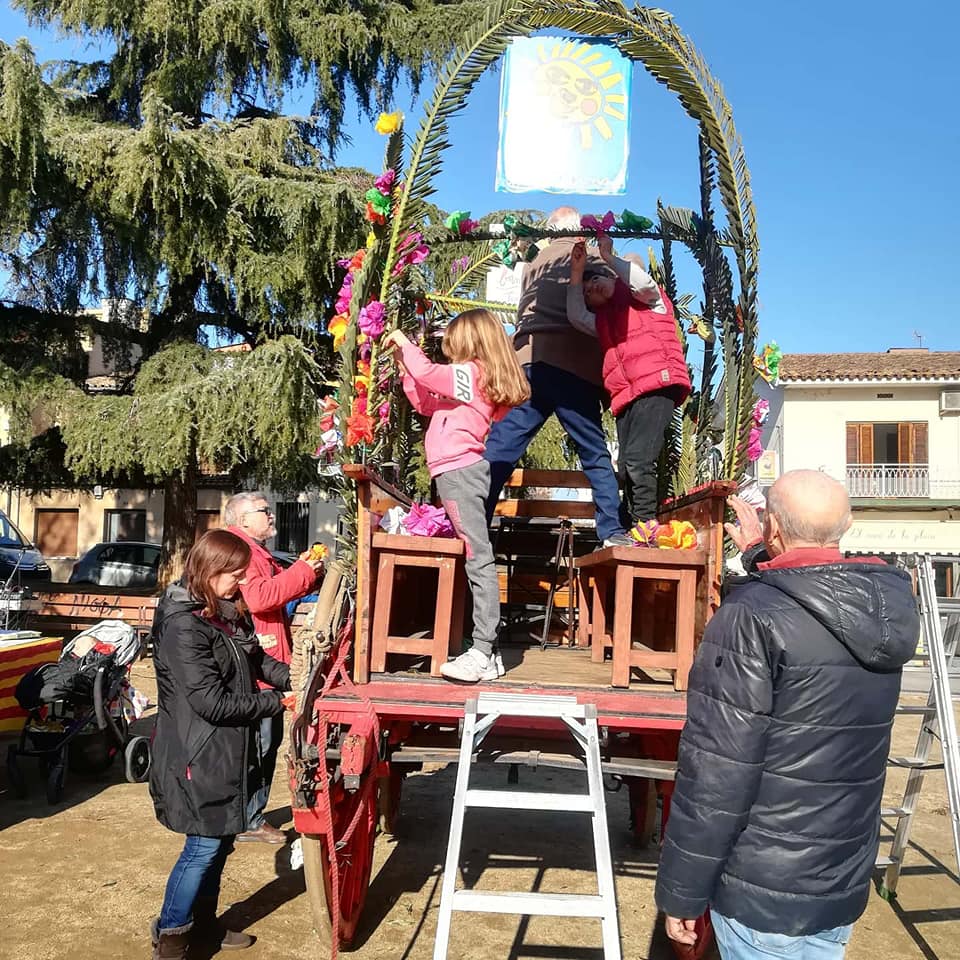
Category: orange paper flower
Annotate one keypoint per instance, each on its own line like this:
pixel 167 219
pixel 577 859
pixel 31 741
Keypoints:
pixel 677 535
pixel 337 328
pixel 359 429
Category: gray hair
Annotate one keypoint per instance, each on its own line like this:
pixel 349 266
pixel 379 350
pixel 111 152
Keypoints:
pixel 237 506
pixel 820 527
pixel 564 218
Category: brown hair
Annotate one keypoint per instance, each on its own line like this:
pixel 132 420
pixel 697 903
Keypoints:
pixel 479 335
pixel 216 552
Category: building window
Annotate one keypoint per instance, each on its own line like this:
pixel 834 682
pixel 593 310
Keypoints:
pixel 56 532
pixel 206 520
pixel 124 525
pixel 293 527
pixel 888 460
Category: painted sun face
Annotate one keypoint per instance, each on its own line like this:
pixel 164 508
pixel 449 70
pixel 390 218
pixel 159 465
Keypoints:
pixel 577 83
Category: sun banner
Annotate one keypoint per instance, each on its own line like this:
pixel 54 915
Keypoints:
pixel 564 117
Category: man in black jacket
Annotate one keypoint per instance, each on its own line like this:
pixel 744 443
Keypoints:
pixel 774 822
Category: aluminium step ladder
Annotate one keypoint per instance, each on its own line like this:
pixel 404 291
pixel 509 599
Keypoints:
pixel 480 717
pixel 938 722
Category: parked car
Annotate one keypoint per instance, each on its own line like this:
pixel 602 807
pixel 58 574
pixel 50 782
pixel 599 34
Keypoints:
pixel 19 558
pixel 120 563
pixel 130 563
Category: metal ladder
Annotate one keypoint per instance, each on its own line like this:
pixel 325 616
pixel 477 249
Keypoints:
pixel 480 717
pixel 939 722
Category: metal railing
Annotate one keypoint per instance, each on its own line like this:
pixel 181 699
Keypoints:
pixel 893 480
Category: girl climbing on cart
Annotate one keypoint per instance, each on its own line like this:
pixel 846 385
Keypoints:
pixel 480 384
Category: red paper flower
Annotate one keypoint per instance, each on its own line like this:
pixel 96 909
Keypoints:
pixel 359 429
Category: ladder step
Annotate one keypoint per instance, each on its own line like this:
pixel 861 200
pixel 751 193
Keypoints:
pixel 525 705
pixel 884 862
pixel 522 800
pixel 917 711
pixel 532 904
pixel 894 812
pixel 913 763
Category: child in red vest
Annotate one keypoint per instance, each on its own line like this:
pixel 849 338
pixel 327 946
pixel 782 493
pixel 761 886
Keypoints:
pixel 644 369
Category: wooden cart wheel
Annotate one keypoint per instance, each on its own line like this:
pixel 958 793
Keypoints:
pixel 388 802
pixel 704 948
pixel 355 862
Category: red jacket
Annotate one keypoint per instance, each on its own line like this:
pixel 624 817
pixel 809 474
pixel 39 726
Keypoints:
pixel 641 350
pixel 267 589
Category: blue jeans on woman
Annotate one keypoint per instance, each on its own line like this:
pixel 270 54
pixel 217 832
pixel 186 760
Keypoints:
pixel 196 873
pixel 739 942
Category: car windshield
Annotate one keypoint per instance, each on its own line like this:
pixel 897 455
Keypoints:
pixel 10 536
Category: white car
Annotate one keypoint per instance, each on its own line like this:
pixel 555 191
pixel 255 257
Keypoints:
pixel 122 563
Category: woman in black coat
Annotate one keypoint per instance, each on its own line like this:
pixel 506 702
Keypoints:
pixel 207 661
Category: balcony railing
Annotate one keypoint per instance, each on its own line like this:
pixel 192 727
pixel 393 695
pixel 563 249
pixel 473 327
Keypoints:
pixel 895 480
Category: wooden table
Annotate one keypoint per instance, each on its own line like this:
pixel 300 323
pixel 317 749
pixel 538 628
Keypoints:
pixel 16 659
pixel 622 568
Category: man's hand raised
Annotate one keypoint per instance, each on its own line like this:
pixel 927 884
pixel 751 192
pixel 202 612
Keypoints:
pixel 748 530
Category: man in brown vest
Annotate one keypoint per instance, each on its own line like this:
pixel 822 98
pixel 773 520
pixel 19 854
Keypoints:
pixel 564 370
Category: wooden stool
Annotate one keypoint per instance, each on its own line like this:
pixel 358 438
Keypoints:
pixel 442 554
pixel 623 567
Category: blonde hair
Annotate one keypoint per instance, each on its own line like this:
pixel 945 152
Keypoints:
pixel 479 335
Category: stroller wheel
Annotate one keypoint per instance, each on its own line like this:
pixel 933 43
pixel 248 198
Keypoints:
pixel 55 781
pixel 136 758
pixel 15 774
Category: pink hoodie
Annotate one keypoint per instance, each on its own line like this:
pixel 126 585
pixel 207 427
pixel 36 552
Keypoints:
pixel 451 394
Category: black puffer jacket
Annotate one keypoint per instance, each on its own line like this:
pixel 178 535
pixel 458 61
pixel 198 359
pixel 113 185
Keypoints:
pixel 775 816
pixel 208 704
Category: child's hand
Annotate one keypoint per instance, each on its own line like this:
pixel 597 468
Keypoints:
pixel 578 258
pixel 395 339
pixel 605 245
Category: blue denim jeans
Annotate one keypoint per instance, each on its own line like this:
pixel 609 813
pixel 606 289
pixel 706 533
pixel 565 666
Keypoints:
pixel 739 942
pixel 268 739
pixel 196 873
pixel 576 402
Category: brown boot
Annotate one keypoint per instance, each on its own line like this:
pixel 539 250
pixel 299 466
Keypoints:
pixel 206 927
pixel 169 944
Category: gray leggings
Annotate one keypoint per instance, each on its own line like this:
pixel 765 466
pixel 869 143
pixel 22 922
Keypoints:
pixel 464 493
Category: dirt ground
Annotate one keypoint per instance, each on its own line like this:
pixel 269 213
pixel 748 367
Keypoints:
pixel 84 878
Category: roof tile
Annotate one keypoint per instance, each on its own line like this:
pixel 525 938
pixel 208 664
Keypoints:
pixel 896 364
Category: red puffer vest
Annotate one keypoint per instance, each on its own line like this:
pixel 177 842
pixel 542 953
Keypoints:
pixel 641 350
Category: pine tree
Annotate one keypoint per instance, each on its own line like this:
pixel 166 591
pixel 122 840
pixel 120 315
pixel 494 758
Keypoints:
pixel 167 174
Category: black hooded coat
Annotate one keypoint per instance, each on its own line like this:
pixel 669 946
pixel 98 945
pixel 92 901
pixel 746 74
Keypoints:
pixel 208 703
pixel 775 817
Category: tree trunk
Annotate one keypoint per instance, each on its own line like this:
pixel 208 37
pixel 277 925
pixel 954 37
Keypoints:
pixel 179 520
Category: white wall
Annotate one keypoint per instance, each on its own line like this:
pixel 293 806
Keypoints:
pixel 815 418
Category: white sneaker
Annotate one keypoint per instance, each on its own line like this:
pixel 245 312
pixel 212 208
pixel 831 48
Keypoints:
pixel 470 667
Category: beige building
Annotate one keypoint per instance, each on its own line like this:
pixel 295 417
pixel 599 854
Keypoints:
pixel 888 426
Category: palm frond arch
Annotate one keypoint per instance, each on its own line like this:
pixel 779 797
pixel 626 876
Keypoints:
pixel 648 36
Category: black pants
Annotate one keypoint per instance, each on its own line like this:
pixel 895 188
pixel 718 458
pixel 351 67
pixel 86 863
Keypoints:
pixel 641 425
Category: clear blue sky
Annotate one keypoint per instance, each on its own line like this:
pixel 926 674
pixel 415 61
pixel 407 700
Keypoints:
pixel 849 121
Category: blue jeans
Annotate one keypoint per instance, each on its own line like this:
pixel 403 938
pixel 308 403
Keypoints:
pixel 577 404
pixel 739 942
pixel 268 738
pixel 196 873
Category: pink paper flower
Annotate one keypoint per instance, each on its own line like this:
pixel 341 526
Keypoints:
pixel 425 520
pixel 372 318
pixel 590 222
pixel 383 412
pixel 384 183
pixel 467 226
pixel 459 265
pixel 755 447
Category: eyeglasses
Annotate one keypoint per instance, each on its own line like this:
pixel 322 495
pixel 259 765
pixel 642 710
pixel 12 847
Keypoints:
pixel 265 510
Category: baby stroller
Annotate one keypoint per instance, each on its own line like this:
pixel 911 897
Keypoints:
pixel 78 711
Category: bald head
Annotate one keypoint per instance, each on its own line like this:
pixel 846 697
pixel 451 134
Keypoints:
pixel 806 508
pixel 564 218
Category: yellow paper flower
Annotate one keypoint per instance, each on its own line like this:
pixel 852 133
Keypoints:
pixel 677 535
pixel 389 122
pixel 371 239
pixel 337 328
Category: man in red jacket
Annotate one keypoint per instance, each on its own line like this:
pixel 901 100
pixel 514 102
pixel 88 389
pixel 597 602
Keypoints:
pixel 266 590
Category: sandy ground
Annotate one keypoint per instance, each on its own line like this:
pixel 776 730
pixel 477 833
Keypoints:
pixel 83 879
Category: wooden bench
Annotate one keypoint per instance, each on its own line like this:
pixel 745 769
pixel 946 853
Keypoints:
pixel 608 594
pixel 66 613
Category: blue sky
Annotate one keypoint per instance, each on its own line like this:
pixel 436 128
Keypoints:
pixel 849 124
